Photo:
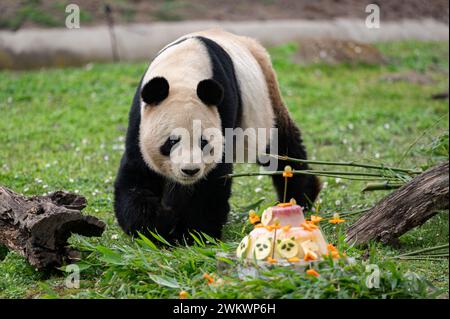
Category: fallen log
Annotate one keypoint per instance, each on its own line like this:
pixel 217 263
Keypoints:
pixel 405 208
pixel 38 227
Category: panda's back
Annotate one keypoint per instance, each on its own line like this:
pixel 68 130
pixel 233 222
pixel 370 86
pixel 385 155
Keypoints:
pixel 187 61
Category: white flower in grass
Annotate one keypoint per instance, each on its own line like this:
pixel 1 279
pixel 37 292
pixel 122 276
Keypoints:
pixel 338 202
pixel 260 177
pixel 386 126
pixel 114 236
pixel 344 141
pixel 45 186
pixel 258 189
pixel 324 185
pixel 377 155
pixel 118 147
pixel 350 126
pixel 350 149
pixel 48 165
pixel 71 180
pixel 76 191
pixel 106 158
pixel 338 180
pixel 37 180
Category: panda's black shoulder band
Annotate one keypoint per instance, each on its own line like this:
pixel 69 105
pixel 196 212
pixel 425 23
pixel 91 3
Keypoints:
pixel 155 90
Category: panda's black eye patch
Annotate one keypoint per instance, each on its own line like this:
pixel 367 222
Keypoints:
pixel 203 143
pixel 166 148
pixel 155 90
pixel 206 147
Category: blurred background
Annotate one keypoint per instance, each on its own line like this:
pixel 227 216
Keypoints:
pixel 42 33
pixel 46 13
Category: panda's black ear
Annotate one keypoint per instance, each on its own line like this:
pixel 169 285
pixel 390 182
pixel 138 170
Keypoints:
pixel 155 90
pixel 210 92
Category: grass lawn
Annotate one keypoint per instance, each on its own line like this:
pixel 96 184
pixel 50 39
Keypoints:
pixel 64 129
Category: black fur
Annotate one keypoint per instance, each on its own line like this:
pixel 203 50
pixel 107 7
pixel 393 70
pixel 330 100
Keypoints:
pixel 224 73
pixel 303 188
pixel 155 90
pixel 169 144
pixel 146 201
pixel 210 92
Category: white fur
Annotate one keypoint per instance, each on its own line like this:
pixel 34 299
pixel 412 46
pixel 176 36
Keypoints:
pixel 183 65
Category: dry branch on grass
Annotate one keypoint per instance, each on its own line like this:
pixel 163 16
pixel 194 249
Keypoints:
pixel 38 227
pixel 407 207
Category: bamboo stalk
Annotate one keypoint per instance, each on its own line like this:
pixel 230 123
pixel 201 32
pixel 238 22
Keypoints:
pixel 416 252
pixel 433 255
pixel 381 186
pixel 336 174
pixel 421 258
pixel 345 214
pixel 352 164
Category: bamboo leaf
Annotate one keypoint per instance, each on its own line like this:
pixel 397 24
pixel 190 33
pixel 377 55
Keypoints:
pixel 165 281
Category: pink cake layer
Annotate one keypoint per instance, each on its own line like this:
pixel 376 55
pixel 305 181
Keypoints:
pixel 288 215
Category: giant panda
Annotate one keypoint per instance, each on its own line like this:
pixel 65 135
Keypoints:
pixel 223 81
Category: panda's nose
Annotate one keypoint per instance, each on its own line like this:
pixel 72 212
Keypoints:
pixel 190 171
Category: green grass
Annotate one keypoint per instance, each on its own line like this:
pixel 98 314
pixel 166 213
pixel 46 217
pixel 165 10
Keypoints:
pixel 64 129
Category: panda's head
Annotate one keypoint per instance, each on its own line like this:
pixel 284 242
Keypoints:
pixel 180 129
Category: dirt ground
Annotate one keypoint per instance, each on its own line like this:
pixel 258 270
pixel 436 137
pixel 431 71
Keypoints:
pixel 45 13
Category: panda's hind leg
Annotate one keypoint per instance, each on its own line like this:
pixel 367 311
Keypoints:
pixel 303 188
